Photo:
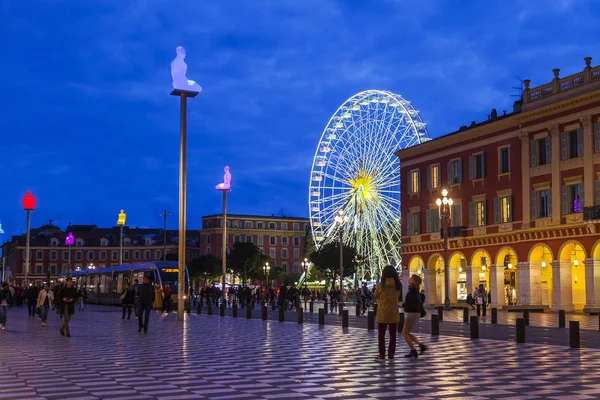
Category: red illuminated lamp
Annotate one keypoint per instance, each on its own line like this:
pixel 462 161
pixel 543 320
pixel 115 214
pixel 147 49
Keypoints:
pixel 28 202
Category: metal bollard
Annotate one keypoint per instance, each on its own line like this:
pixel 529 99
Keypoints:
pixel 209 309
pixel 371 321
pixel 574 339
pixel 375 308
pixel 441 312
pixel 273 306
pixel 188 307
pixel 265 313
pixel 562 318
pixel 401 322
pixel 357 309
pixel 345 319
pixel 234 310
pixel 465 314
pixel 311 307
pixel 248 312
pixel 222 310
pixel 435 325
pixel 526 316
pixel 281 314
pixel 321 316
pixel 520 330
pixel 199 308
pixel 494 315
pixel 474 327
pixel 300 315
pixel 325 306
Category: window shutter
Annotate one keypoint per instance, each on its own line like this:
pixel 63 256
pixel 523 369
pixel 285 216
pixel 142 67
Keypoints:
pixel 471 215
pixel 418 181
pixel 435 217
pixel 484 212
pixel 483 165
pixel 580 142
pixel 456 217
pixel 534 205
pixel 418 223
pixel 409 224
pixel 510 209
pixel 428 227
pixel 563 145
pixel 597 192
pixel 548 150
pixel 471 169
pixel 533 153
pixel 496 210
pixel 450 182
pixel 408 183
pixel 581 196
pixel 439 175
pixel 597 137
pixel 550 202
pixel 428 178
pixel 564 200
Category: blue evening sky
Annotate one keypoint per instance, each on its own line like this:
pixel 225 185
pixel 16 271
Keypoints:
pixel 88 125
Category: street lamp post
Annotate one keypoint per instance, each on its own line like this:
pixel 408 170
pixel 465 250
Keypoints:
pixel 445 207
pixel 121 222
pixel 340 219
pixel 224 187
pixel 266 270
pixel 29 206
pixel 305 269
pixel 3 257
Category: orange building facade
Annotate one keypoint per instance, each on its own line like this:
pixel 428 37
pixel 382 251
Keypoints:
pixel 526 191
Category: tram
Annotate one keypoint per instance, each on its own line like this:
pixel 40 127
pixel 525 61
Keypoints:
pixel 105 285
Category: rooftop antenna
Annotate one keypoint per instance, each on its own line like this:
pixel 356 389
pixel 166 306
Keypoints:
pixel 519 88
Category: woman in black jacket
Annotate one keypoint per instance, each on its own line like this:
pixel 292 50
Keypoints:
pixel 128 296
pixel 412 309
pixel 68 296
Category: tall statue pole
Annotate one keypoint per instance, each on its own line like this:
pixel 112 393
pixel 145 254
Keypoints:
pixel 184 88
pixel 224 187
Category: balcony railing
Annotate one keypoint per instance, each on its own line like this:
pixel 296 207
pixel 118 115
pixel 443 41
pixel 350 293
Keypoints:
pixel 455 231
pixel 591 214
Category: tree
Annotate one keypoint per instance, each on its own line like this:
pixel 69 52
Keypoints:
pixel 207 266
pixel 327 260
pixel 309 243
pixel 245 259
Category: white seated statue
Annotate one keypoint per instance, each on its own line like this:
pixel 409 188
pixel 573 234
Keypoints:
pixel 179 73
pixel 1 231
pixel 226 185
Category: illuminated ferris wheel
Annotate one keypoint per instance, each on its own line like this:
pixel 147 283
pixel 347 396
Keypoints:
pixel 355 172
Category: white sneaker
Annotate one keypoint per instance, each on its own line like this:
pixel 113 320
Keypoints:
pixel 3 328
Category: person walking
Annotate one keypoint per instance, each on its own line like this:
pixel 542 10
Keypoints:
pixel 5 300
pixel 167 298
pixel 413 306
pixel 43 303
pixel 136 298
pixel 146 301
pixel 68 297
pixel 31 297
pixel 387 295
pixel 128 300
pixel 481 298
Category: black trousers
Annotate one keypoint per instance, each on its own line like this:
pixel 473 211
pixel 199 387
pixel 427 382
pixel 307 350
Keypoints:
pixel 144 316
pixel 31 306
pixel 479 310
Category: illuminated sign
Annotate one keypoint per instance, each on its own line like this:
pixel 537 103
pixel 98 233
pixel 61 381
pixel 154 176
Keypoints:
pixel 170 270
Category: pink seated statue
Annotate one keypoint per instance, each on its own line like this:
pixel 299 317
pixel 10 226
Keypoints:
pixel 226 185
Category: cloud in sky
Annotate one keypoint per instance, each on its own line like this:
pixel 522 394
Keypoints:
pixel 89 126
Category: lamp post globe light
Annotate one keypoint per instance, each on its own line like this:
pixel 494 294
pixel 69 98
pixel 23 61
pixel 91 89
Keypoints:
pixel 121 222
pixel 28 205
pixel 339 220
pixel 266 269
pixel 445 208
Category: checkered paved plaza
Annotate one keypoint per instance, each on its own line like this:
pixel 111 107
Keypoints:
pixel 236 358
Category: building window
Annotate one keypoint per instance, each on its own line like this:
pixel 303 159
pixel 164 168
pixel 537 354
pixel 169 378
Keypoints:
pixel 541 151
pixel 477 212
pixel 103 256
pixel 53 255
pixel 432 220
pixel 296 226
pixel 541 203
pixel 207 251
pixel 249 239
pixel 146 254
pixel 456 215
pixel 272 225
pixel 272 240
pixel 504 160
pixel 272 252
pixel 477 166
pixel 284 226
pixel 296 241
pixel 126 255
pixel 103 242
pixel 39 255
pixel 260 225
pixel 284 241
pixel 434 176
pixel 454 171
pixel 296 254
pixel 571 198
pixel 248 224
pixel 236 239
pixel 209 224
pixel 261 251
pixel 39 269
pixel 53 270
pixel 115 255
pixel 136 255
pixel 284 254
pixel 413 181
pixel 157 254
pixel 284 266
pixel 90 255
pixel 259 240
pixel 502 209
pixel 65 255
pixel 413 223
pixel 571 144
pixel 78 255
pixel 54 242
pixel 79 242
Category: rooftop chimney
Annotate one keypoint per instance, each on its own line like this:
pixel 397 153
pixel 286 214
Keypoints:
pixel 494 114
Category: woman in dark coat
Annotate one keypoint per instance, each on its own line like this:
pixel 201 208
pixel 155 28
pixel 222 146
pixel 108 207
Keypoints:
pixel 68 297
pixel 128 301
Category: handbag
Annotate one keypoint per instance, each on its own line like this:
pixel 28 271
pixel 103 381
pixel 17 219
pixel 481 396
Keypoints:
pixel 422 312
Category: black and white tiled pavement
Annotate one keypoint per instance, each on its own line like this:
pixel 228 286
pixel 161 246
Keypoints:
pixel 226 358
